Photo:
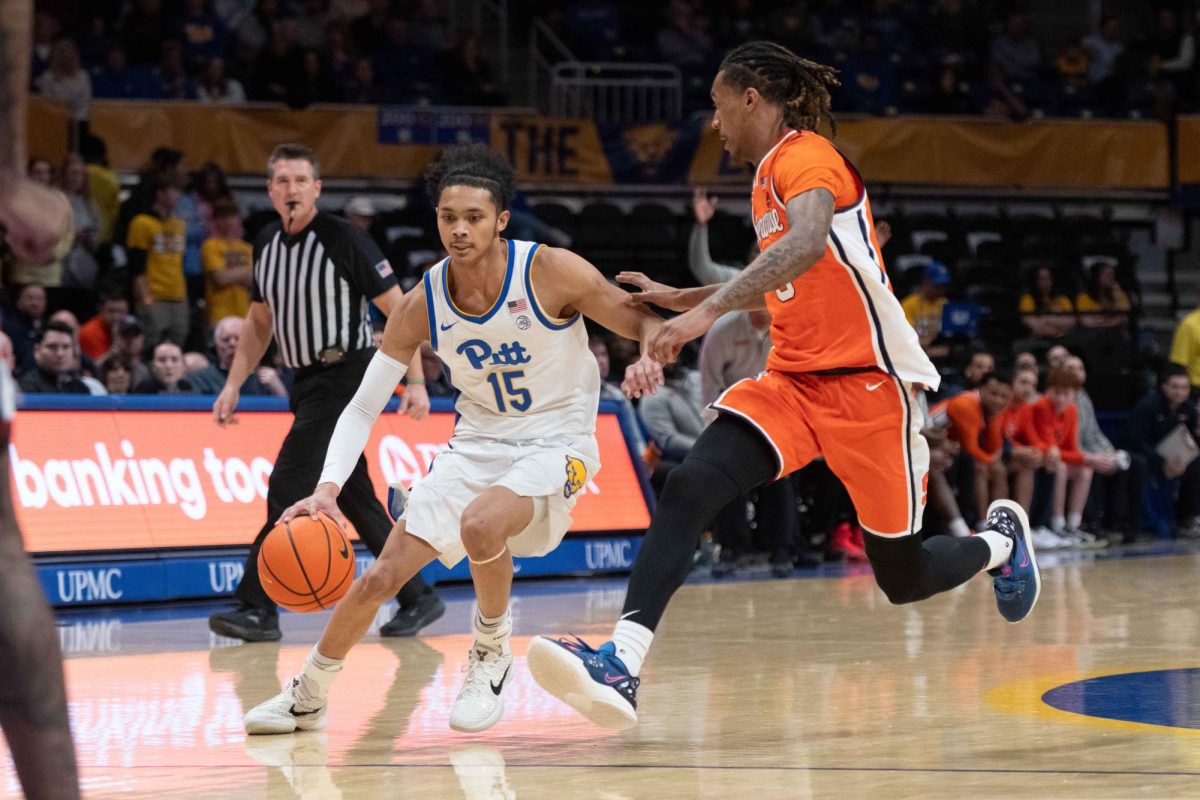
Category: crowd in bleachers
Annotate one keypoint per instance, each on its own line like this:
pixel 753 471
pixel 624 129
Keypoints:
pixel 914 56
pixel 297 52
pixel 895 56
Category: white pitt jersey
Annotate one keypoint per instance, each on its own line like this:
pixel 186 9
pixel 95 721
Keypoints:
pixel 522 374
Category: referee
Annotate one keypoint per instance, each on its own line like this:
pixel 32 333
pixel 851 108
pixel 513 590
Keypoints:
pixel 313 277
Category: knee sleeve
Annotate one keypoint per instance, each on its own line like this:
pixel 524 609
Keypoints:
pixel 908 570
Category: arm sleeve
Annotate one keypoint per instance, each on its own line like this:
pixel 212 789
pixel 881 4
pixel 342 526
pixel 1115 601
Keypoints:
pixel 700 262
pixel 354 425
pixel 366 267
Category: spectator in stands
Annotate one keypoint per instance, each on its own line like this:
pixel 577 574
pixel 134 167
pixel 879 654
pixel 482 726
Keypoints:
pixel 116 374
pixel 367 31
pixel 1015 54
pixel 201 34
pixel 1046 312
pixel 338 53
pixel 467 77
pixel 1103 294
pixel 173 74
pixel 155 245
pixel 54 356
pixel 923 309
pixel 951 92
pixel 1104 49
pixel 1057 357
pixel 361 212
pixel 1185 346
pixel 1159 479
pixel 1057 420
pixel 700 262
pixel 979 363
pixel 218 88
pixel 227 263
pixel 1108 500
pixel 672 419
pixel 103 186
pixel 129 343
pixel 975 423
pixel 23 324
pixel 362 87
pixel 315 83
pixel 684 41
pixel 227 333
pixel 164 160
pixel 145 28
pixel 6 353
pixel 81 365
pixel 96 335
pixel 1172 56
pixel 67 81
pixel 1026 449
pixel 869 78
pixel 46 30
pixel 80 267
pixel 312 23
pixel 168 375
pixel 119 80
pixel 611 390
pixel 1027 360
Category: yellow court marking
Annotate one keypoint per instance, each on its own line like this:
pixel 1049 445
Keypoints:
pixel 1024 698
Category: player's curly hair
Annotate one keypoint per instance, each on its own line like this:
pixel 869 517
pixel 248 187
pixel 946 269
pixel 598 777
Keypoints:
pixel 474 165
pixel 780 76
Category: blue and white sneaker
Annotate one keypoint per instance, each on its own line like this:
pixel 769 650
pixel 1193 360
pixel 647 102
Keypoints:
pixel 1017 582
pixel 593 682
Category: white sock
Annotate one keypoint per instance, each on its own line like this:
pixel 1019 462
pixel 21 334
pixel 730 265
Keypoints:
pixel 493 632
pixel 959 528
pixel 633 642
pixel 1057 523
pixel 318 675
pixel 1074 521
pixel 1000 545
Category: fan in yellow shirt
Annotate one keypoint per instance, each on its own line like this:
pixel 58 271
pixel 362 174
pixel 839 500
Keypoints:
pixel 1103 294
pixel 1185 347
pixel 155 246
pixel 923 308
pixel 228 261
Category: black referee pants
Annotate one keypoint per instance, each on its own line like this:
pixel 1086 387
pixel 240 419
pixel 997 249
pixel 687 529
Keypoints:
pixel 317 401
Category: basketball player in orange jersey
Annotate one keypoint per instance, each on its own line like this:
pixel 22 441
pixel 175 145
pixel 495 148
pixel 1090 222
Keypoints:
pixel 839 383
pixel 33 702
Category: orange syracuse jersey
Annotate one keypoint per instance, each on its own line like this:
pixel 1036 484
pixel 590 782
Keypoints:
pixel 841 313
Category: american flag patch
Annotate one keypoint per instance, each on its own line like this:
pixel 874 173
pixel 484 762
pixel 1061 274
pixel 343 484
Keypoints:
pixel 384 269
pixel 517 306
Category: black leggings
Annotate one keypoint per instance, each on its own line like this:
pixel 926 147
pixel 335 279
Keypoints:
pixel 732 458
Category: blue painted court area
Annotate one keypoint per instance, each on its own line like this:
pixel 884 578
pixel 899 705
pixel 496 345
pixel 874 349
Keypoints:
pixel 1169 697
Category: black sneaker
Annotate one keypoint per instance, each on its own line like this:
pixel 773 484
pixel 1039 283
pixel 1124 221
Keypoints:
pixel 411 619
pixel 248 623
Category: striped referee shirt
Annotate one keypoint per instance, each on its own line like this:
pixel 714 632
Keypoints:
pixel 317 283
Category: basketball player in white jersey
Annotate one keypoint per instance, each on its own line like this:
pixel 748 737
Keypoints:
pixel 505 318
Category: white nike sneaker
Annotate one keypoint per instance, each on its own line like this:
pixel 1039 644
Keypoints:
pixel 286 713
pixel 479 705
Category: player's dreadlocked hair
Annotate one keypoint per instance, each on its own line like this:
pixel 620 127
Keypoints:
pixel 474 165
pixel 780 76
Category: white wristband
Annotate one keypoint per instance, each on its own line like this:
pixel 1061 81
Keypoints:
pixel 354 425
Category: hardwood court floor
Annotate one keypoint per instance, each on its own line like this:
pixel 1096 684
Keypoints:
pixel 761 688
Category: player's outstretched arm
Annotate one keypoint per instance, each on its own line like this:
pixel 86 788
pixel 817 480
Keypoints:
pixel 659 294
pixel 407 327
pixel 565 283
pixel 810 216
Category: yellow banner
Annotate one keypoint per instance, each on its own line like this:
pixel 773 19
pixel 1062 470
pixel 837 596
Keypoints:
pixel 1064 154
pixel 552 149
pixel 1188 149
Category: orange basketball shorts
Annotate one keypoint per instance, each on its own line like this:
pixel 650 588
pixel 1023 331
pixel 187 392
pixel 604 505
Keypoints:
pixel 867 425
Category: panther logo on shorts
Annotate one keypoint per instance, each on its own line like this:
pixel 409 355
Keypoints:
pixel 576 477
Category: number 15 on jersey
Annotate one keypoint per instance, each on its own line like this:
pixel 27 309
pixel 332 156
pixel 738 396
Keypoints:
pixel 502 384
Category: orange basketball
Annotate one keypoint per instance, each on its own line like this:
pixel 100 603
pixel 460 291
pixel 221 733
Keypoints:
pixel 306 564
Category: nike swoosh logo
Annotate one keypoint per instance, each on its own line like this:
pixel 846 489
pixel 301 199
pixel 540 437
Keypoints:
pixel 610 678
pixel 873 386
pixel 445 327
pixel 345 549
pixel 630 614
pixel 497 687
pixel 296 713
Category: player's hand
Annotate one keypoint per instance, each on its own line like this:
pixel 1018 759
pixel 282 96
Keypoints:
pixel 883 233
pixel 664 344
pixel 652 292
pixel 414 401
pixel 226 406
pixel 322 500
pixel 35 218
pixel 642 377
pixel 705 207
